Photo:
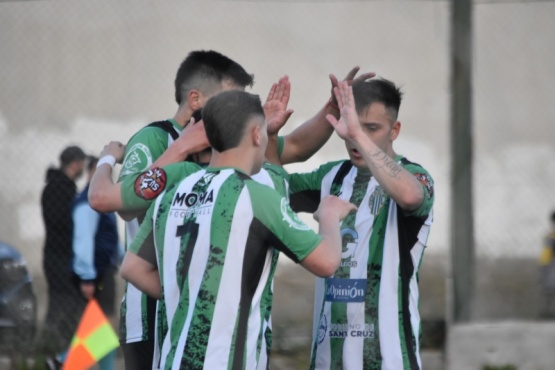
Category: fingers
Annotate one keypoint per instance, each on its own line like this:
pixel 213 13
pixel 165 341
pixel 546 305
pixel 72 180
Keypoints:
pixel 365 76
pixel 352 74
pixel 272 92
pixel 333 80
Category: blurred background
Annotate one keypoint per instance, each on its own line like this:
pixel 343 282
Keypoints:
pixel 86 73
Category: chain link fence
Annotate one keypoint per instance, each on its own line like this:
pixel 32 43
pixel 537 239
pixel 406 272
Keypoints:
pixel 81 73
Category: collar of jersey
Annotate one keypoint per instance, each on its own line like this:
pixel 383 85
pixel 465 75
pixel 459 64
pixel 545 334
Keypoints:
pixel 215 169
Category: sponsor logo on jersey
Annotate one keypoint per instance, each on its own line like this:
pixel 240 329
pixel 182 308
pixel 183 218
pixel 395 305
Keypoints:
pixel 150 184
pixel 322 329
pixel 349 239
pixel 187 204
pixel 376 200
pixel 427 182
pixel 137 159
pixel 345 290
pixel 351 330
pixel 291 217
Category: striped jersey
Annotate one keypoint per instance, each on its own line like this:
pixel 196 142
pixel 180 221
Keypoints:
pixel 137 310
pixel 366 316
pixel 214 237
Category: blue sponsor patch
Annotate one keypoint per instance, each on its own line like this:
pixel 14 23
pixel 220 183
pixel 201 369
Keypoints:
pixel 345 290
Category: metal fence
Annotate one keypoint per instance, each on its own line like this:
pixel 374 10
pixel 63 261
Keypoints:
pixel 86 73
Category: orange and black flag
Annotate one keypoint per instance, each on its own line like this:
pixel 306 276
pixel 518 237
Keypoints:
pixel 94 339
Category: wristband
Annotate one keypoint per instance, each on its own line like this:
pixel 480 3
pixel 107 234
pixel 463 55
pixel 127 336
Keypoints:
pixel 107 159
pixel 332 104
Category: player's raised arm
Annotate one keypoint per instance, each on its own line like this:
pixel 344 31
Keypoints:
pixel 104 195
pixel 191 140
pixel 399 183
pixel 303 142
pixel 276 114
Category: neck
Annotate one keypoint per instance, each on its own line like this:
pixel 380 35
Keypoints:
pixel 235 158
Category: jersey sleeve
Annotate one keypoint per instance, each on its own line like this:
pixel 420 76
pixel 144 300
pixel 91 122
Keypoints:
pixel 147 145
pixel 137 192
pixel 287 232
pixel 143 243
pixel 427 185
pixel 305 188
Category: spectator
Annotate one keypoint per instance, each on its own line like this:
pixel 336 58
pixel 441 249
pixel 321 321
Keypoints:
pixel 97 252
pixel 56 201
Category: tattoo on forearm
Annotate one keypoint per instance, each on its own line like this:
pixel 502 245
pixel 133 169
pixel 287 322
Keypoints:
pixel 382 160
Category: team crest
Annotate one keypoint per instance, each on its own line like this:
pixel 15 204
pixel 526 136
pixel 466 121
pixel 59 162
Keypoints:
pixel 376 200
pixel 291 218
pixel 427 182
pixel 137 159
pixel 150 184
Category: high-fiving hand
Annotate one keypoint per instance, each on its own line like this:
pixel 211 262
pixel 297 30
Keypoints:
pixel 275 107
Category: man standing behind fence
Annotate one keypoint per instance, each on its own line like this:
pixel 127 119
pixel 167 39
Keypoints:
pixel 56 200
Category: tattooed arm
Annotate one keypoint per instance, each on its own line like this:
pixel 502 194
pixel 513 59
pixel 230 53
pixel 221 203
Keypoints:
pixel 400 184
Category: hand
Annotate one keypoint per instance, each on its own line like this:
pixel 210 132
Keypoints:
pixel 275 107
pixel 114 148
pixel 87 289
pixel 350 78
pixel 332 205
pixel 348 126
pixel 195 135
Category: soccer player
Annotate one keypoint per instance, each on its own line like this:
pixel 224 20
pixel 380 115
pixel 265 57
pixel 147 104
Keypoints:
pixel 207 244
pixel 366 316
pixel 201 75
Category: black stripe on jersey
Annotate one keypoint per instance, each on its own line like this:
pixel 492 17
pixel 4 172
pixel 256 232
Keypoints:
pixel 309 200
pixel 305 201
pixel 408 228
pixel 190 229
pixel 253 264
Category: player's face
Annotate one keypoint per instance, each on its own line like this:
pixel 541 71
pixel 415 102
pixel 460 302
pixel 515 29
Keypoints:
pixel 379 126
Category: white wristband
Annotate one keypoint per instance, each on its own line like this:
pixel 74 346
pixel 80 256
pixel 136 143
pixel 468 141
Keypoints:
pixel 107 159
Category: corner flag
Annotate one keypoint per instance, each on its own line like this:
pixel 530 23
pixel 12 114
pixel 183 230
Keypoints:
pixel 94 339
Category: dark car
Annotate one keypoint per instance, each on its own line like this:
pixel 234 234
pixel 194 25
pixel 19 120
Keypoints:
pixel 18 304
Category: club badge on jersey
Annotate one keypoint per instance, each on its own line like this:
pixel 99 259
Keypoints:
pixel 150 184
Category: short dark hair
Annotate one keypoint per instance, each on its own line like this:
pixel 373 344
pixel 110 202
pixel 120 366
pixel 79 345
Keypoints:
pixel 553 216
pixel 377 91
pixel 204 70
pixel 226 116
pixel 71 154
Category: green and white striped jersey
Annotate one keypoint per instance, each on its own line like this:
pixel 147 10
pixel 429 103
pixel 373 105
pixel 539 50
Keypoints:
pixel 214 238
pixel 137 310
pixel 366 316
pixel 138 192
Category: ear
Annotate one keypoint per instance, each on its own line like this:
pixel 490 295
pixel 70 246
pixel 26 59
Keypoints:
pixel 395 130
pixel 256 135
pixel 194 99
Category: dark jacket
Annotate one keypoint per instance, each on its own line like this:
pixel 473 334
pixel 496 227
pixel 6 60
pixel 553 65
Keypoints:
pixel 56 201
